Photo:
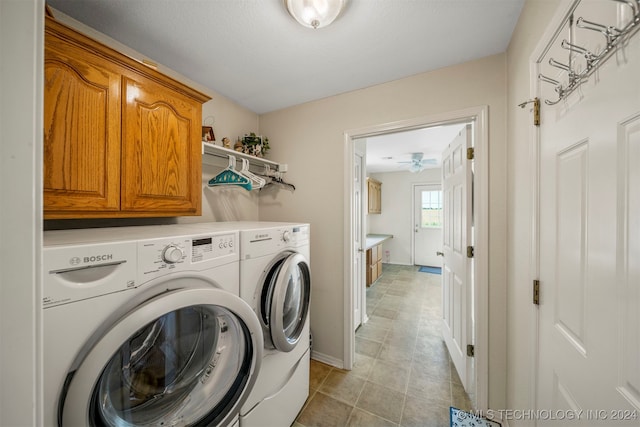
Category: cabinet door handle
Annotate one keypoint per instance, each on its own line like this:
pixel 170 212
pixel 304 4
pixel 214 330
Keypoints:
pixel 440 253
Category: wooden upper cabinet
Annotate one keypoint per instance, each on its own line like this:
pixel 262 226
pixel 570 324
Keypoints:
pixel 81 130
pixel 120 138
pixel 374 195
pixel 159 158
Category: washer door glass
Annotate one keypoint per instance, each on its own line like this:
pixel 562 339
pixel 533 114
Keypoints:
pixel 186 356
pixel 186 366
pixel 285 300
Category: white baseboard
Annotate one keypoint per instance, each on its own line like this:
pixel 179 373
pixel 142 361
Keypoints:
pixel 329 360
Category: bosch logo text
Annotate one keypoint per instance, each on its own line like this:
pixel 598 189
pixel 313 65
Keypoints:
pixel 92 258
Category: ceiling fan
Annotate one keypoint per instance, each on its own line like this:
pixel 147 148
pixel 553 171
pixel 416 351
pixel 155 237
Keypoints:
pixel 417 163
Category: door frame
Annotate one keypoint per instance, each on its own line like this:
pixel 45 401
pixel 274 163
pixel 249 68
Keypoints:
pixel 413 213
pixel 21 133
pixel 479 116
pixel 565 8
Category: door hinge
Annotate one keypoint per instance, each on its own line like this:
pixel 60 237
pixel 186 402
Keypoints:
pixel 536 109
pixel 470 153
pixel 471 351
pixel 470 252
pixel 536 292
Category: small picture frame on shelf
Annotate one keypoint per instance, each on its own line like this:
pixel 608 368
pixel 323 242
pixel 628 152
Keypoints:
pixel 207 134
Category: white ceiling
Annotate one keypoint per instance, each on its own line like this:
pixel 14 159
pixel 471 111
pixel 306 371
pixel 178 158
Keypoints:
pixel 254 53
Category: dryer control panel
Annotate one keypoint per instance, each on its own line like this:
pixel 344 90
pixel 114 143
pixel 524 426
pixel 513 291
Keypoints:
pixel 296 235
pixel 266 241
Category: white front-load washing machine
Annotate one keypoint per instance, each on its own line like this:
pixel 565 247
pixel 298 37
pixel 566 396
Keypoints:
pixel 144 326
pixel 275 281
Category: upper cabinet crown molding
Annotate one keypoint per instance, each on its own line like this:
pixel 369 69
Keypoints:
pixel 145 68
pixel 120 138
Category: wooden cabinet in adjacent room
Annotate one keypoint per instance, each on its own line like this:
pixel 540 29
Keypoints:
pixel 374 188
pixel 120 138
pixel 374 264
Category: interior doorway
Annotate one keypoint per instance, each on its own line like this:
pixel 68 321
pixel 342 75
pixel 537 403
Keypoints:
pixel 478 336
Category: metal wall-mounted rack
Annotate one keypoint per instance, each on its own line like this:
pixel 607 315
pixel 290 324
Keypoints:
pixel 209 149
pixel 614 37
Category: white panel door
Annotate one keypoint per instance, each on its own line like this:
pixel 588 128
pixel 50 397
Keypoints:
pixel 427 222
pixel 456 266
pixel 589 234
pixel 358 279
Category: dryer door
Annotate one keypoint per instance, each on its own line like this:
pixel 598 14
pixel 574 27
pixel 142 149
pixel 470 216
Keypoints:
pixel 285 300
pixel 185 357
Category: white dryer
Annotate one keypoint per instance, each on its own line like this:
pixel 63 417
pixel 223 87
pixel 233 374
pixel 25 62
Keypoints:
pixel 275 280
pixel 144 326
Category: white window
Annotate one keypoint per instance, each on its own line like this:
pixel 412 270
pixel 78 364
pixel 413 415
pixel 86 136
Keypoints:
pixel 431 209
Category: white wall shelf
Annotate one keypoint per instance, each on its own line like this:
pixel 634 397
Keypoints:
pixel 209 149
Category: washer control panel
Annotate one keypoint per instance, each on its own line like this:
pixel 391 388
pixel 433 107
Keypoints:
pixel 172 254
pixel 157 257
pixel 205 248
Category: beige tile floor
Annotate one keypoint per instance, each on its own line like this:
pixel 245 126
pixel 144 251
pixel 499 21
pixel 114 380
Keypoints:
pixel 402 375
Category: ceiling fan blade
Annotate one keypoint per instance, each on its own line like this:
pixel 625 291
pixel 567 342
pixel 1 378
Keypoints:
pixel 429 162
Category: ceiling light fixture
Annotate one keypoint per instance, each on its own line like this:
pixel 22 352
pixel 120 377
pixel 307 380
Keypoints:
pixel 416 167
pixel 315 13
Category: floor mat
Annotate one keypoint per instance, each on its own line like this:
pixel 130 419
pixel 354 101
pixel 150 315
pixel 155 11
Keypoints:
pixel 432 270
pixel 460 418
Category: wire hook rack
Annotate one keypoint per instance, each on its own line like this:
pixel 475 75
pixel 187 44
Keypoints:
pixel 614 37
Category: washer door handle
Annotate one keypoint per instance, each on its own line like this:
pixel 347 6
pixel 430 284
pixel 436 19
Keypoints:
pixel 86 267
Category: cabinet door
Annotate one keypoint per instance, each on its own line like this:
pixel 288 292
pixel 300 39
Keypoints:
pixel 161 150
pixel 378 198
pixel 374 196
pixel 81 131
pixel 369 262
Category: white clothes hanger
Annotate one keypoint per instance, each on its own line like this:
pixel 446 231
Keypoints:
pixel 256 181
pixel 230 176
